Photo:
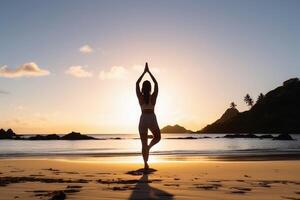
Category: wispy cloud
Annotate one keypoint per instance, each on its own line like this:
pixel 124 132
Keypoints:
pixel 4 92
pixel 86 49
pixel 25 70
pixel 115 72
pixel 79 72
pixel 121 72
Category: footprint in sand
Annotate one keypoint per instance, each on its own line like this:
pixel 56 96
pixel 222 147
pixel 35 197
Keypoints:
pixel 213 186
pixel 240 190
pixel 172 184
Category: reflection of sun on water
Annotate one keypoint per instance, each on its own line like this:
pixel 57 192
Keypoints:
pixel 124 159
pixel 139 159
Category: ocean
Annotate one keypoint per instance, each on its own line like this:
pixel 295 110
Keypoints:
pixel 122 145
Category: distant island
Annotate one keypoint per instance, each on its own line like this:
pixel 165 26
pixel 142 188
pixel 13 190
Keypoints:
pixel 175 129
pixel 276 112
pixel 11 135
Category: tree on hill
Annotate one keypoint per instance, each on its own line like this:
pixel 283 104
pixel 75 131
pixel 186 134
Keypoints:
pixel 232 105
pixel 260 97
pixel 248 100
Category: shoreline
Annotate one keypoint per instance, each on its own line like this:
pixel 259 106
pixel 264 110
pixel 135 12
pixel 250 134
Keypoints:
pixel 128 157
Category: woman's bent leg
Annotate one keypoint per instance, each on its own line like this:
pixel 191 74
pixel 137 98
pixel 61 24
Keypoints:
pixel 154 128
pixel 156 137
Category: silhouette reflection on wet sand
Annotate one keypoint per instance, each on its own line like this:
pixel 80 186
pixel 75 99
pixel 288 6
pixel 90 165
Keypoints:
pixel 142 190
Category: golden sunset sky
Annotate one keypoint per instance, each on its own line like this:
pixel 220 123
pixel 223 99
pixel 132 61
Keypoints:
pixel 72 65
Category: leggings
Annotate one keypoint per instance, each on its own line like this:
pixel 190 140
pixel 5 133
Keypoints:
pixel 147 121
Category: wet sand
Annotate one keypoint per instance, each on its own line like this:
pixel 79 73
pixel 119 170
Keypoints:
pixel 49 179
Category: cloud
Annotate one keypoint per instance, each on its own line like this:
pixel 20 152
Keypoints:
pixel 4 92
pixel 120 72
pixel 78 71
pixel 25 70
pixel 19 108
pixel 115 72
pixel 86 49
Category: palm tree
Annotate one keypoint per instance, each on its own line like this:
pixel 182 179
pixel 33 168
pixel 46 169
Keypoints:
pixel 248 100
pixel 232 105
pixel 260 97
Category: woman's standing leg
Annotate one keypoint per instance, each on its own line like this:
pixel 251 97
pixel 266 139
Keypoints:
pixel 143 130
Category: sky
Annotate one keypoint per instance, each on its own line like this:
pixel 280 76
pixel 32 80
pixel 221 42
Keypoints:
pixel 72 65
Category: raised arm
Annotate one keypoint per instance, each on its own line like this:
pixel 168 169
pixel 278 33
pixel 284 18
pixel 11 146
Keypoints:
pixel 137 85
pixel 155 82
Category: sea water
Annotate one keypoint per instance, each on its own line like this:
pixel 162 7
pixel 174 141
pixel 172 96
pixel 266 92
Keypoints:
pixel 110 145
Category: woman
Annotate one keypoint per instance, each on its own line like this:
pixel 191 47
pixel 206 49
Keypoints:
pixel 148 119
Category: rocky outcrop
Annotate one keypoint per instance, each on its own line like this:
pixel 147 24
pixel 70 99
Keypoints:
pixel 45 137
pixel 277 112
pixel 175 129
pixel 283 136
pixel 9 134
pixel 250 135
pixel 229 113
pixel 77 136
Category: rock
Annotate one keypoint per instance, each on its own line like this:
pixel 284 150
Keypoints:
pixel 250 135
pixel 2 131
pixel 175 129
pixel 45 137
pixel 36 137
pixel 187 138
pixel 116 138
pixel 266 136
pixel 229 113
pixel 205 137
pixel 58 195
pixel 9 134
pixel 291 81
pixel 77 136
pixel 277 112
pixel 52 137
pixel 184 138
pixel 283 136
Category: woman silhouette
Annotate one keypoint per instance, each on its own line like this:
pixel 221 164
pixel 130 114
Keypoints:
pixel 148 119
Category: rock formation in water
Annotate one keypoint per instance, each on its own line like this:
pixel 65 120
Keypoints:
pixel 9 134
pixel 175 129
pixel 76 136
pixel 45 137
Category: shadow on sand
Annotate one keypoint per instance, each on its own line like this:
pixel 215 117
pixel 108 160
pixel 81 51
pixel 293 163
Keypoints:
pixel 143 190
